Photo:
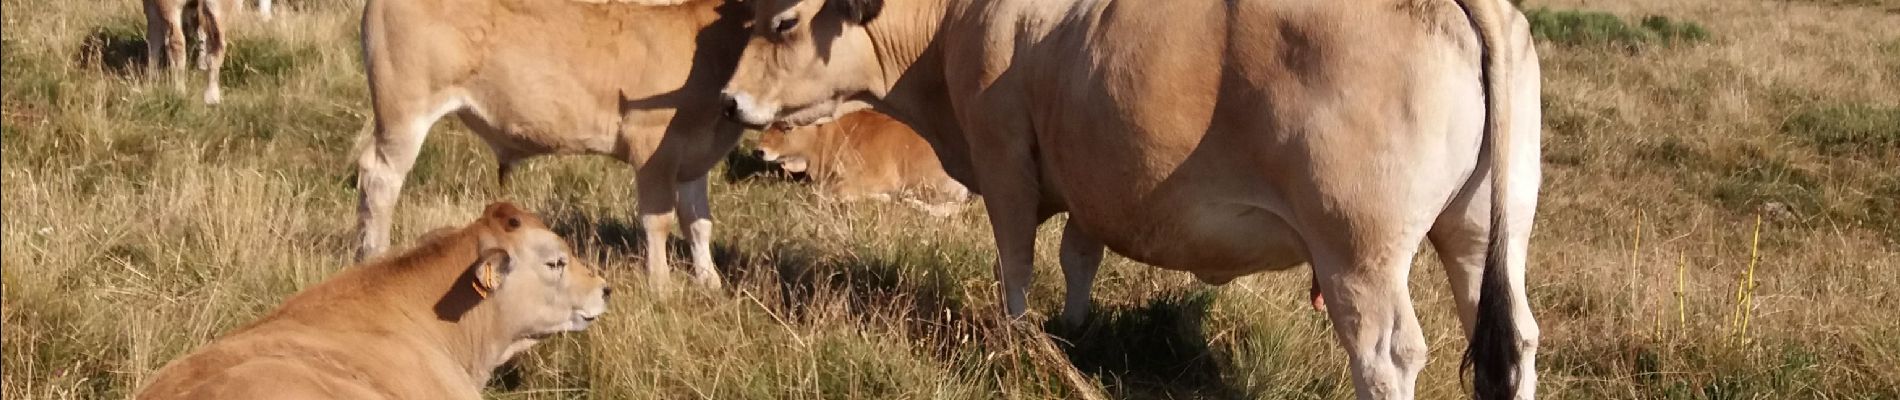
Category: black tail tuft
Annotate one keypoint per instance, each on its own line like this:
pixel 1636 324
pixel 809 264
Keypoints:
pixel 1493 355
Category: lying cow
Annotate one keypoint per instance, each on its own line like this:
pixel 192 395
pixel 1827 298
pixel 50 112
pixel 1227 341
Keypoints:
pixel 1217 137
pixel 432 323
pixel 863 155
pixel 629 80
pixel 165 24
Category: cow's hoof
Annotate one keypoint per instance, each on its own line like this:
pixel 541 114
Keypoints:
pixel 659 284
pixel 708 280
pixel 214 96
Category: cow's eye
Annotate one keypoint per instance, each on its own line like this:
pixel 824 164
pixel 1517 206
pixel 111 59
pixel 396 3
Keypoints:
pixel 785 24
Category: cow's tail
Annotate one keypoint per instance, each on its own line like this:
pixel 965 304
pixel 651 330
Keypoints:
pixel 1493 354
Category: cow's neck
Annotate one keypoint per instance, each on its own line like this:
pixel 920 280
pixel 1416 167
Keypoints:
pixel 450 315
pixel 479 342
pixel 914 90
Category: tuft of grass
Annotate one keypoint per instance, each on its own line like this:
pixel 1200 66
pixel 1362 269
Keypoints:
pixel 1674 31
pixel 1591 28
pixel 1848 130
pixel 257 61
pixel 1758 179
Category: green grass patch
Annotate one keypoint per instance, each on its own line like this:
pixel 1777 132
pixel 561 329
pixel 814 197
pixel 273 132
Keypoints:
pixel 262 60
pixel 1758 179
pixel 1850 130
pixel 1594 28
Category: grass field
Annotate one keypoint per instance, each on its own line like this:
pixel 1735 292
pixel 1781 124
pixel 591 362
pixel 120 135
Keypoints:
pixel 139 224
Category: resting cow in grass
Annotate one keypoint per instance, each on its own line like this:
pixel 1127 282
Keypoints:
pixel 863 155
pixel 431 323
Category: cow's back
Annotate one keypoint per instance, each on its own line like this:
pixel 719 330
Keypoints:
pixel 330 341
pixel 554 76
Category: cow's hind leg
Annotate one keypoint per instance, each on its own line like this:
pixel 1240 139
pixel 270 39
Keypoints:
pixel 211 25
pixel 1081 258
pixel 383 162
pixel 1363 275
pixel 695 211
pixel 156 29
pixel 175 58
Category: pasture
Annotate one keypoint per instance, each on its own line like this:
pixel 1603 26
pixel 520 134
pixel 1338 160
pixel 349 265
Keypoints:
pixel 1720 220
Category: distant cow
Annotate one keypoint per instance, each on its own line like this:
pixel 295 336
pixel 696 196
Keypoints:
pixel 432 323
pixel 165 24
pixel 863 155
pixel 1216 137
pixel 630 80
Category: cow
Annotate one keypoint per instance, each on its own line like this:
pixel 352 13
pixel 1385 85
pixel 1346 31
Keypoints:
pixel 165 24
pixel 863 155
pixel 1217 137
pixel 431 323
pixel 634 81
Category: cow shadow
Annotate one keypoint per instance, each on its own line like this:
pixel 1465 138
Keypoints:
pixel 803 278
pixel 1158 349
pixel 113 49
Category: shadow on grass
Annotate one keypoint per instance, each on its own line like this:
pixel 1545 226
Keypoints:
pixel 1154 350
pixel 113 49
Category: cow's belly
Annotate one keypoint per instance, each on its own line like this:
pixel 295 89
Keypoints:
pixel 1216 239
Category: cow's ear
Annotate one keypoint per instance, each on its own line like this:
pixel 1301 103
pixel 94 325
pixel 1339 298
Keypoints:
pixel 858 11
pixel 505 215
pixel 489 270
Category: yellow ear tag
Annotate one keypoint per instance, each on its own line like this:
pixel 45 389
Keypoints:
pixel 481 288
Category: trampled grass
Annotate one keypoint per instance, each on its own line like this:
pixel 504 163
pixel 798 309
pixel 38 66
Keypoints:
pixel 140 224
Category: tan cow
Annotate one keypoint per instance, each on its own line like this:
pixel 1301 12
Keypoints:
pixel 632 81
pixel 432 323
pixel 1217 137
pixel 863 155
pixel 165 23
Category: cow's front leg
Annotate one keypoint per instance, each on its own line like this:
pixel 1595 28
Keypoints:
pixel 695 211
pixel 656 195
pixel 1012 192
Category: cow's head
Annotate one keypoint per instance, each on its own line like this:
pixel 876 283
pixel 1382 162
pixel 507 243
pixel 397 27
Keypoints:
pixel 531 277
pixel 805 58
pixel 788 146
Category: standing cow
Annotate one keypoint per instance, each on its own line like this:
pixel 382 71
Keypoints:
pixel 636 82
pixel 165 24
pixel 1217 137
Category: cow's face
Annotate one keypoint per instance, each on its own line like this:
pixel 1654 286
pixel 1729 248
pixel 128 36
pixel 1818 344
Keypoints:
pixel 532 277
pixel 804 59
pixel 788 146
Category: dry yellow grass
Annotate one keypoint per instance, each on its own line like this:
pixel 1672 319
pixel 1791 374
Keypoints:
pixel 139 224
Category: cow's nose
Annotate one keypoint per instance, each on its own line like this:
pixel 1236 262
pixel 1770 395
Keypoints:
pixel 606 292
pixel 730 107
